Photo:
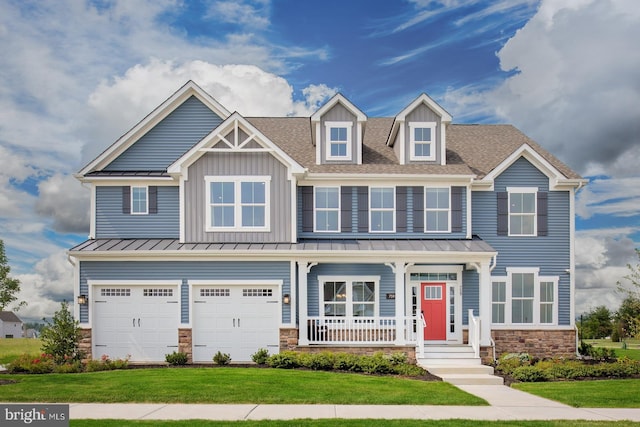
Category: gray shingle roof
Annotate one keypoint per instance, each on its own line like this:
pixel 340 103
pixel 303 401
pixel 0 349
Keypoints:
pixel 471 149
pixel 9 316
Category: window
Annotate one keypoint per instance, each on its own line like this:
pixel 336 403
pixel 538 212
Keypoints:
pixel 422 140
pixel 437 210
pixel 350 296
pixel 139 200
pixel 238 203
pixel 338 140
pixel 382 209
pixel 524 298
pixel 522 289
pixel 327 208
pixel 522 211
pixel 498 301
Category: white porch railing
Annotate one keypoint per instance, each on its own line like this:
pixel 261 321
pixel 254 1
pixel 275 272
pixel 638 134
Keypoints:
pixel 361 330
pixel 474 333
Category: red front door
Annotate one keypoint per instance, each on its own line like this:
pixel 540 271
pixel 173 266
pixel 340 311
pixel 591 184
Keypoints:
pixel 434 308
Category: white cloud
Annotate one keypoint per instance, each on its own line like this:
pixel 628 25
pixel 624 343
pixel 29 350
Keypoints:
pixel 62 198
pixel 609 196
pixel 253 14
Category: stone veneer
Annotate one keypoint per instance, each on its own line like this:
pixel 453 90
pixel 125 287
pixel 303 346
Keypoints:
pixel 538 343
pixel 85 343
pixel 185 343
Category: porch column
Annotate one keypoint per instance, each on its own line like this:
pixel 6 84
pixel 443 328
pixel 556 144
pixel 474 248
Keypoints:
pixel 485 303
pixel 303 339
pixel 400 269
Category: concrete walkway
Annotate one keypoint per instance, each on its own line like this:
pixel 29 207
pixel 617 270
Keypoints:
pixel 506 404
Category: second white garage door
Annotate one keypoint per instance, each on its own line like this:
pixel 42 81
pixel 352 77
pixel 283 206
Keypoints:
pixel 235 319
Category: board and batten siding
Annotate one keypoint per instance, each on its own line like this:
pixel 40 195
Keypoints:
pixel 169 139
pixel 112 223
pixel 338 113
pixel 237 164
pixel 551 253
pixel 387 284
pixel 184 271
pixel 422 113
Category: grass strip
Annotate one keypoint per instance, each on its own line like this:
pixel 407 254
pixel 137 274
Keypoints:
pixel 232 385
pixel 12 348
pixel 588 394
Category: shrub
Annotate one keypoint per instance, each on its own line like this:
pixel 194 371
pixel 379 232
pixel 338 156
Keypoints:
pixel 176 358
pixel 284 360
pixel 317 361
pixel 221 358
pixel 529 374
pixel 347 362
pixel 511 361
pixel 106 364
pixel 397 358
pixel 69 368
pixel 261 356
pixel 28 364
pixel 409 370
pixel 61 338
pixel 376 364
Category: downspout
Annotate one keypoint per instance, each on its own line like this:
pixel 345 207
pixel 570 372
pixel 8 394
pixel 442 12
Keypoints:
pixel 494 262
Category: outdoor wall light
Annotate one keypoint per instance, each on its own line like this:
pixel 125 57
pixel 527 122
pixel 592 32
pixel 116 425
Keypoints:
pixel 286 299
pixel 82 299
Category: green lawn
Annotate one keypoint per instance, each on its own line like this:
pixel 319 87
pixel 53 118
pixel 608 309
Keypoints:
pixel 632 351
pixel 11 348
pixel 348 423
pixel 232 385
pixel 588 394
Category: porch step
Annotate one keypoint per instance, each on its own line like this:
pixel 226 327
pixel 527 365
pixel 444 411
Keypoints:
pixel 458 365
pixel 448 352
pixel 471 379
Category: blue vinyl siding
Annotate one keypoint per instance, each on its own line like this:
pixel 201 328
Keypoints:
pixel 409 234
pixel 470 294
pixel 185 271
pixel 169 139
pixel 550 253
pixel 387 284
pixel 112 223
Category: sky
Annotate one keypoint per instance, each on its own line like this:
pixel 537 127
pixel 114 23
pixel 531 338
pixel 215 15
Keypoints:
pixel 75 75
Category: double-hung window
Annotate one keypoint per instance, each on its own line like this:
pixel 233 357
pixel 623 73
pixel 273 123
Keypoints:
pixel 139 200
pixel 338 140
pixel 524 298
pixel 327 208
pixel 382 209
pixel 238 203
pixel 522 211
pixel 348 296
pixel 437 210
pixel 422 141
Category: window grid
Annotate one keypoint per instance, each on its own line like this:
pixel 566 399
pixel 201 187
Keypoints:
pixel 354 296
pixel 327 208
pixel 382 209
pixel 338 140
pixel 547 296
pixel 437 210
pixel 157 292
pixel 522 213
pixel 422 141
pixel 139 200
pixel 433 292
pixel 215 292
pixel 434 276
pixel 238 203
pixel 115 292
pixel 498 301
pixel 257 292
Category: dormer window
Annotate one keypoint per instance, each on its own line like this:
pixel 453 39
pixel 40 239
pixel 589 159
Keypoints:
pixel 423 138
pixel 338 140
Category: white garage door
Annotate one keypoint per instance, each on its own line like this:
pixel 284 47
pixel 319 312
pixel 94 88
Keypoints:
pixel 237 320
pixel 136 321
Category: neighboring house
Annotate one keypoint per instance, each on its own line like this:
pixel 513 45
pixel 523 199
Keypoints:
pixel 212 232
pixel 10 325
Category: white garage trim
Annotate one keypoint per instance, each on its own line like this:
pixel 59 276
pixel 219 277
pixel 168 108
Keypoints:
pixel 92 283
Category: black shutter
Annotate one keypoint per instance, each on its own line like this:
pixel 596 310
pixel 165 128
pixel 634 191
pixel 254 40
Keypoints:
pixel 543 208
pixel 418 209
pixel 153 200
pixel 401 209
pixel 307 208
pixel 502 199
pixel 363 209
pixel 456 209
pixel 126 200
pixel 345 209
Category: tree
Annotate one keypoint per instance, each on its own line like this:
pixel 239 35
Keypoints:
pixel 61 339
pixel 9 287
pixel 597 323
pixel 628 316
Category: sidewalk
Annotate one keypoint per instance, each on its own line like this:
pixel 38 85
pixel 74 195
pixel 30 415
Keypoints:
pixel 506 404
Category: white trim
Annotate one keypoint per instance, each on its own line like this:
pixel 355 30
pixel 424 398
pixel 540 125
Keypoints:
pixel 448 230
pixel 293 224
pixel 469 213
pixel 146 191
pixel 523 190
pixel 328 126
pixel 315 210
pixel 432 142
pixel 93 213
pixel 293 306
pixel 403 145
pixel 341 99
pixel 156 116
pixel 349 302
pixel 237 204
pixel 240 282
pixel 398 123
pixel 443 144
pixel 410 180
pixel 359 143
pixel 392 210
pixel 108 282
pixel 572 256
pixel 182 210
pixel 318 140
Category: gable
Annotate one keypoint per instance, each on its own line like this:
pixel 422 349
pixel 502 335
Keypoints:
pixel 169 139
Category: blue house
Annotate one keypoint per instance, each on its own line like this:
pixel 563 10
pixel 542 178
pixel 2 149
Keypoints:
pixel 212 232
